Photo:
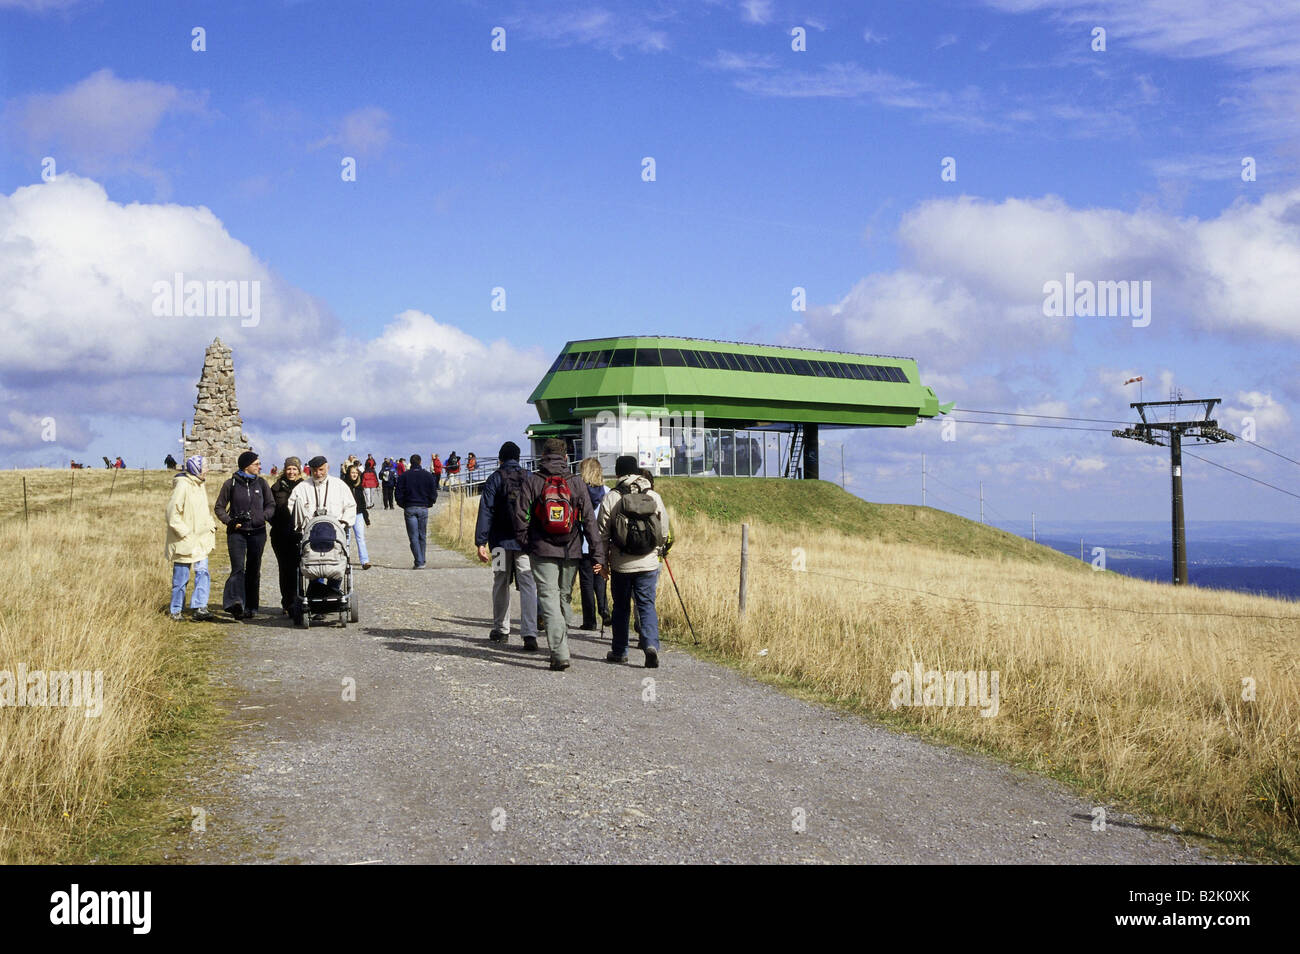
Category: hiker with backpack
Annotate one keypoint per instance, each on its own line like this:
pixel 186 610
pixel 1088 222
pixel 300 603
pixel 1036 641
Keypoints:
pixel 633 524
pixel 388 480
pixel 554 512
pixel 494 535
pixel 452 467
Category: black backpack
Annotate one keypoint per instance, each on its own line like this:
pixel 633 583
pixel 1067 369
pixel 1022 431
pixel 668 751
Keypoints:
pixel 638 530
pixel 507 502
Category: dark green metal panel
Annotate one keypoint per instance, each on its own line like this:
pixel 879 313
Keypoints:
pixel 741 398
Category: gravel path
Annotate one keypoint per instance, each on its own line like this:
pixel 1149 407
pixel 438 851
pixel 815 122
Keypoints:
pixel 458 750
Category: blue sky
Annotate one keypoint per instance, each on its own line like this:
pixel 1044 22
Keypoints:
pixel 775 168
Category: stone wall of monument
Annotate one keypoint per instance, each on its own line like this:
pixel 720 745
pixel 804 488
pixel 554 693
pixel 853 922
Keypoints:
pixel 217 432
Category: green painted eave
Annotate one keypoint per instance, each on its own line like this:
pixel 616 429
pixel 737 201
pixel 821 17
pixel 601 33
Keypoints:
pixel 744 397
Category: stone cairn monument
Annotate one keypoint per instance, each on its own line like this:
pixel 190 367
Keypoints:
pixel 217 432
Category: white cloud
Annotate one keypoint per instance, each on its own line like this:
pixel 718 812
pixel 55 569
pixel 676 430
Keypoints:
pixel 76 291
pixel 362 132
pixel 603 29
pixel 102 123
pixel 756 11
pixel 727 60
pixel 1270 416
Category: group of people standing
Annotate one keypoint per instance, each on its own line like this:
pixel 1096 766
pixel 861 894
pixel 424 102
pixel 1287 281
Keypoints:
pixel 248 508
pixel 541 531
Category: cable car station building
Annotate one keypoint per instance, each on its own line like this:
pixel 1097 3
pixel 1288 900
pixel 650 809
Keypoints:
pixel 694 407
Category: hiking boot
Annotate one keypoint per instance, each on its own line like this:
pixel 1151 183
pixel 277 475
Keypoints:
pixel 176 617
pixel 236 611
pixel 615 658
pixel 588 626
pixel 559 665
pixel 651 659
pixel 530 644
pixel 202 615
pixel 365 566
pixel 498 637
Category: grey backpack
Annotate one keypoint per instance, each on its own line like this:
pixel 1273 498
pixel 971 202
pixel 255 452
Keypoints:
pixel 638 530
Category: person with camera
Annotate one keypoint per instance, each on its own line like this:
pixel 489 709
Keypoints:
pixel 245 505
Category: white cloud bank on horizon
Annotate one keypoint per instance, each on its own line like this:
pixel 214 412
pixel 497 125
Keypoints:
pixel 973 270
pixel 77 273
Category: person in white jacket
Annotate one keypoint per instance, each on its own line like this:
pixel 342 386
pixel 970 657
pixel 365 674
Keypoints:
pixel 321 492
pixel 633 565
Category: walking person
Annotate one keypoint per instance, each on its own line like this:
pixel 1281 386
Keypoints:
pixel 495 537
pixel 245 506
pixel 633 523
pixel 356 482
pixel 436 466
pixel 592 585
pixel 285 538
pixel 416 492
pixel 370 484
pixel 191 536
pixel 321 493
pixel 554 513
pixel 452 467
pixel 388 480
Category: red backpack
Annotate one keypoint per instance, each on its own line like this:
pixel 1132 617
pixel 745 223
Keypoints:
pixel 554 509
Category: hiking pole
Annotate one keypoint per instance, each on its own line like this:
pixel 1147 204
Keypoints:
pixel 680 600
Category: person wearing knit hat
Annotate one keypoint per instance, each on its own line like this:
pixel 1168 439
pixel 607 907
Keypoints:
pixel 633 525
pixel 285 538
pixel 494 535
pixel 191 536
pixel 245 505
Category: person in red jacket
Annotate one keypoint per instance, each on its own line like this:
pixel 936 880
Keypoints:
pixel 370 484
pixel 401 466
pixel 436 466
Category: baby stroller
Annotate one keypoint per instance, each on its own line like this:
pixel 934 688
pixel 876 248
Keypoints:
pixel 324 574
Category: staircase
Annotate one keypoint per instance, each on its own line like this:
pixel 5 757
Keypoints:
pixel 794 464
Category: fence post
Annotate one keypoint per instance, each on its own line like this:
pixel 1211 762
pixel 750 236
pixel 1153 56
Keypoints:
pixel 72 483
pixel 744 565
pixel 24 500
pixel 460 529
pixel 112 483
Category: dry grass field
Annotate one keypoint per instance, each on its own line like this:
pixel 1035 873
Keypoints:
pixel 85 589
pixel 1183 703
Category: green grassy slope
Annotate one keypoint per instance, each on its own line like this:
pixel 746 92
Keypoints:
pixel 818 505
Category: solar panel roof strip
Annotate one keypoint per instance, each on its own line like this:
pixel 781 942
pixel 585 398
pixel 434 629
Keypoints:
pixel 744 344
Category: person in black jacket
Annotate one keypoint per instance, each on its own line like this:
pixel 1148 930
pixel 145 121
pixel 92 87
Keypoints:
pixel 285 538
pixel 388 481
pixel 245 506
pixel 494 535
pixel 353 478
pixel 417 491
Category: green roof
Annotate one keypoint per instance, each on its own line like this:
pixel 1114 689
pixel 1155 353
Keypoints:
pixel 733 384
